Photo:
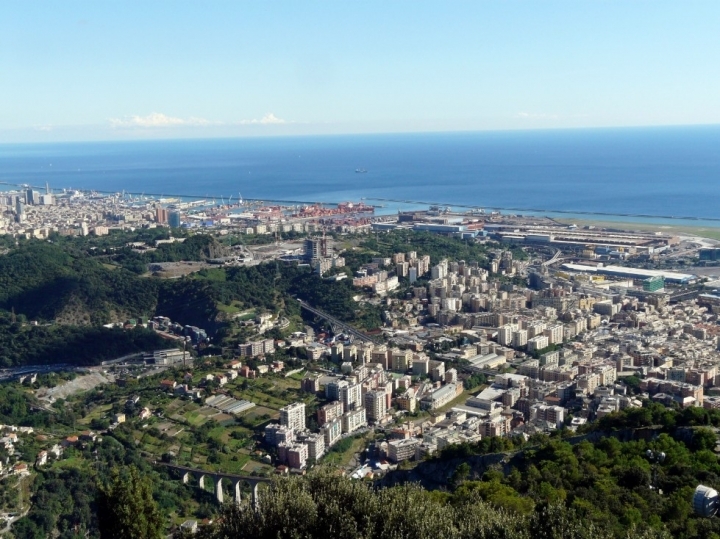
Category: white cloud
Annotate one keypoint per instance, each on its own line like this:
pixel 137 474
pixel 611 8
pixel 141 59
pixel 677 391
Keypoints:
pixel 536 116
pixel 268 119
pixel 43 128
pixel 156 119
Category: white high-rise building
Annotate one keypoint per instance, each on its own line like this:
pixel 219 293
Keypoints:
pixel 375 405
pixel 505 334
pixel 440 271
pixel 351 396
pixel 353 420
pixel 519 338
pixel 554 333
pixel 293 416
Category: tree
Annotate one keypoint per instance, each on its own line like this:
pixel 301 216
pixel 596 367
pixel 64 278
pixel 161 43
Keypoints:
pixel 126 508
pixel 461 473
pixel 703 439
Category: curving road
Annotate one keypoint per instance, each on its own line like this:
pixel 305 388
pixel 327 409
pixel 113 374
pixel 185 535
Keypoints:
pixel 338 323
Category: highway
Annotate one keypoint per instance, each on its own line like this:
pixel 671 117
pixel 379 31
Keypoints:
pixel 6 374
pixel 335 323
pixel 554 259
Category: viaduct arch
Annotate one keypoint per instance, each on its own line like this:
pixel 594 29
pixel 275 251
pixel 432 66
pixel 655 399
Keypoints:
pixel 236 481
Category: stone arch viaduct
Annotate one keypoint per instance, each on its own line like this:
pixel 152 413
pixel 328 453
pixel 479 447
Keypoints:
pixel 236 481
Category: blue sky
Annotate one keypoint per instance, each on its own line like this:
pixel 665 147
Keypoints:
pixel 73 70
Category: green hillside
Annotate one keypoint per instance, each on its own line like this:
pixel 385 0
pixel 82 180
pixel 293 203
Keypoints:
pixel 43 281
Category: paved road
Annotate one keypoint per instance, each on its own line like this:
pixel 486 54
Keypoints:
pixel 28 369
pixel 334 321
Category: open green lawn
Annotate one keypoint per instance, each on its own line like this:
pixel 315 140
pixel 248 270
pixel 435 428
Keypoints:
pixel 233 309
pixel 246 315
pixel 237 445
pixel 26 489
pixel 274 392
pixel 291 383
pixel 69 463
pixel 185 454
pixel 211 274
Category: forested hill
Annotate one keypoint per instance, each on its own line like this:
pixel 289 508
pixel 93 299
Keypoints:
pixel 43 281
pixel 604 477
pixel 71 288
pixel 34 345
pixel 198 247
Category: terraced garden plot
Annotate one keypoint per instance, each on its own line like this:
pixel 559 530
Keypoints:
pixel 99 412
pixel 232 463
pixel 175 405
pixel 197 417
pixel 164 426
pixel 254 467
pixel 199 459
pixel 175 431
pixel 255 416
pixel 225 420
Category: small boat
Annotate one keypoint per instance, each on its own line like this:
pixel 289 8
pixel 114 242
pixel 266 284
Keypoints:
pixel 360 171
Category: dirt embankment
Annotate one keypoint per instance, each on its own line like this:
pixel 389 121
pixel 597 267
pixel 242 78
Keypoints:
pixel 79 384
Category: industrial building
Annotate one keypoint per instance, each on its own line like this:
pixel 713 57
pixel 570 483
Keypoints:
pixel 632 273
pixel 601 241
pixel 166 357
pixel 441 396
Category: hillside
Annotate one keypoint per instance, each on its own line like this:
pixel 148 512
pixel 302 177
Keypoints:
pixel 48 282
pixel 76 345
pixel 45 282
pixel 604 477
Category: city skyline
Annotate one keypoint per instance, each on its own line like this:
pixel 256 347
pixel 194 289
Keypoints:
pixel 87 71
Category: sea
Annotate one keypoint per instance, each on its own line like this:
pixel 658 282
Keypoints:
pixel 660 174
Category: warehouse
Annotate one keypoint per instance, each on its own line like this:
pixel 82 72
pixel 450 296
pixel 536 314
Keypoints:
pixel 632 273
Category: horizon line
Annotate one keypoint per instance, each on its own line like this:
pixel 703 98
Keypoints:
pixel 348 134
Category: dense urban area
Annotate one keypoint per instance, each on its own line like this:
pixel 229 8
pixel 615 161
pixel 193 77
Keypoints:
pixel 340 366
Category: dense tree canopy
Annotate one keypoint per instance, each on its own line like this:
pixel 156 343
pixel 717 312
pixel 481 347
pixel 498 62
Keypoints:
pixel 75 345
pixel 43 281
pixel 126 508
pixel 424 243
pixel 325 505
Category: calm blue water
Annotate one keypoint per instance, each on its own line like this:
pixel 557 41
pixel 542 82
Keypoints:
pixel 657 171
